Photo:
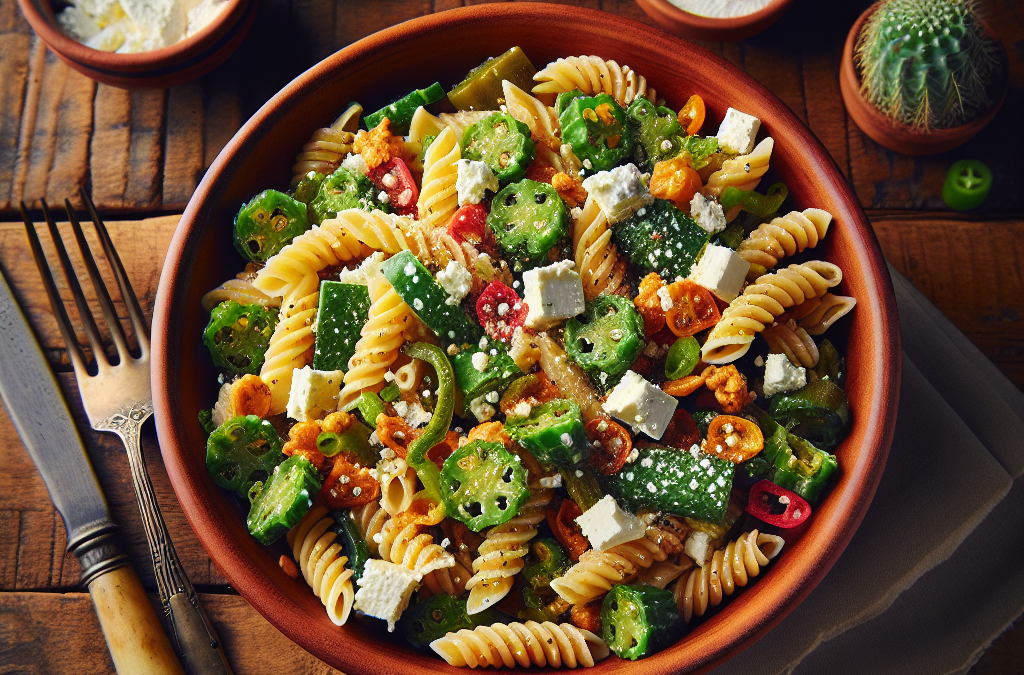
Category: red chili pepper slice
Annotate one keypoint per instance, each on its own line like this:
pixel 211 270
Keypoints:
pixel 682 431
pixel 500 311
pixel 469 223
pixel 566 529
pixel 693 308
pixel 612 445
pixel 395 179
pixel 357 488
pixel 777 506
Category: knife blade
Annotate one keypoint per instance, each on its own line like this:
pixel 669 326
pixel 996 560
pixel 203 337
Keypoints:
pixel 32 397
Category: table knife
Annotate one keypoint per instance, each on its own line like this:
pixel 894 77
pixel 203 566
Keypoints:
pixel 137 642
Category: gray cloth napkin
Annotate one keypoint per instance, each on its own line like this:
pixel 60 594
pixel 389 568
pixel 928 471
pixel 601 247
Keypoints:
pixel 935 571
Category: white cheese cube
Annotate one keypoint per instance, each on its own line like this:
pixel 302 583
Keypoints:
pixel 552 294
pixel 456 280
pixel 356 163
pixel 722 271
pixel 708 213
pixel 641 405
pixel 606 525
pixel 780 375
pixel 619 192
pixel 698 547
pixel 313 393
pixel 737 132
pixel 474 178
pixel 384 590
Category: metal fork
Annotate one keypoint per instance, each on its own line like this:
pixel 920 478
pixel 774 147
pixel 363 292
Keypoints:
pixel 118 399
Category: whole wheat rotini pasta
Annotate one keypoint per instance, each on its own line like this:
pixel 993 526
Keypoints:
pixel 322 565
pixel 500 556
pixel 522 644
pixel 815 316
pixel 593 75
pixel 743 172
pixel 328 146
pixel 438 197
pixel 448 580
pixel 733 566
pixel 761 302
pixel 597 571
pixel 784 236
pixel 793 341
pixel 291 347
pixel 413 549
pixel 597 258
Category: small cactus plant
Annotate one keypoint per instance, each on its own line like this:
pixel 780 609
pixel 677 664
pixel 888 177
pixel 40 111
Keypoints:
pixel 927 64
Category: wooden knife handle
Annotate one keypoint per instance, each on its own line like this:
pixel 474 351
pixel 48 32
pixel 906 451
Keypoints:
pixel 134 634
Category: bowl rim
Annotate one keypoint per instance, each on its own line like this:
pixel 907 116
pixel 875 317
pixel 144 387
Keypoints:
pixel 720 23
pixel 43 22
pixel 790 584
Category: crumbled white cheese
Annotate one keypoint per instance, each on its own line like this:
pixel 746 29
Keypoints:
pixel 550 482
pixel 619 192
pixel 722 271
pixel 480 361
pixel 737 132
pixel 552 294
pixel 384 590
pixel 707 213
pixel 606 525
pixel 666 299
pixel 313 393
pixel 474 179
pixel 780 375
pixel 481 409
pixel 456 280
pixel 522 409
pixel 641 405
pixel 698 546
pixel 366 269
pixel 356 164
pixel 131 26
pixel 759 361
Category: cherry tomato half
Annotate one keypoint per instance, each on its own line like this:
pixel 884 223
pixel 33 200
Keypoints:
pixel 500 311
pixel 777 506
pixel 348 487
pixel 612 445
pixel 693 308
pixel 469 224
pixel 691 115
pixel 567 531
pixel 395 179
pixel 734 438
pixel 682 431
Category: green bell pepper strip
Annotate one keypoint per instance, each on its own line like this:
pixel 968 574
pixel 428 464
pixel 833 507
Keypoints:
pixel 390 392
pixel 238 336
pixel 751 201
pixel 481 89
pixel 441 614
pixel 659 135
pixel 353 545
pixel 241 452
pixel 546 561
pixel 967 185
pixel 597 129
pixel 280 504
pixel 683 357
pixel 483 484
pixel 528 219
pixel 267 224
pixel 582 485
pixel 639 620
pixel 354 442
pixel 370 406
pixel 608 341
pixel 795 463
pixel 401 111
pixel 437 428
pixel 554 433
pixel 503 143
pixel 818 412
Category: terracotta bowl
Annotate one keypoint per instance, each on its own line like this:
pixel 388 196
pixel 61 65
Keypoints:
pixel 679 21
pixel 160 68
pixel 444 47
pixel 898 137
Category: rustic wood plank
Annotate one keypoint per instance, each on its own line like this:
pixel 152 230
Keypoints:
pixel 222 116
pixel 11 18
pixel 361 19
pixel 14 55
pixel 111 146
pixel 142 191
pixel 184 159
pixel 10 525
pixel 29 112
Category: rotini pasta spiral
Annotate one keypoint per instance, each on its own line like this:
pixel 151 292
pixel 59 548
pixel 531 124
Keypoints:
pixel 370 519
pixel 328 146
pixel 597 258
pixel 597 571
pixel 784 236
pixel 730 567
pixel 448 580
pixel 415 550
pixel 292 272
pixel 593 75
pixel 816 315
pixel 661 574
pixel 743 172
pixel 500 556
pixel 380 339
pixel 322 565
pixel 459 121
pixel 793 341
pixel 291 346
pixel 438 197
pixel 760 304
pixel 523 644
pixel 241 290
pixel 397 485
pixel 541 119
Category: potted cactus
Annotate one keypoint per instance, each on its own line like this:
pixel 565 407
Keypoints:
pixel 922 76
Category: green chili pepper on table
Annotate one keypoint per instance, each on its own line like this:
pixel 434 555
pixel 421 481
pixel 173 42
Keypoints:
pixel 967 185
pixel 437 428
pixel 241 452
pixel 281 503
pixel 267 224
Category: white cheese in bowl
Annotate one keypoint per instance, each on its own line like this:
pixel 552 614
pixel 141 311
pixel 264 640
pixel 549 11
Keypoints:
pixel 133 26
pixel 720 9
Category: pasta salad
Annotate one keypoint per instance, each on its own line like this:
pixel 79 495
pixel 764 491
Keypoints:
pixel 528 369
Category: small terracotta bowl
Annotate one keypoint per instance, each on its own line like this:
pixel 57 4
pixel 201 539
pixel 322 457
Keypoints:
pixel 157 69
pixel 695 27
pixel 443 47
pixel 898 137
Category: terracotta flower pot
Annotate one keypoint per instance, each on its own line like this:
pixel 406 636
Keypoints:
pixel 899 137
pixel 695 27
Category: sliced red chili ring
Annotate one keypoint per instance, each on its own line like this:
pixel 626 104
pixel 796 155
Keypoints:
pixel 469 224
pixel 777 506
pixel 612 445
pixel 395 179
pixel 567 531
pixel 500 311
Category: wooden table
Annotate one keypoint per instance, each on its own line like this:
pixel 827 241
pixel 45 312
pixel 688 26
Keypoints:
pixel 142 154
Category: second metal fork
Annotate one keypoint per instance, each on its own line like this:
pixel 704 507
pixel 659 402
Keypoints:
pixel 117 399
